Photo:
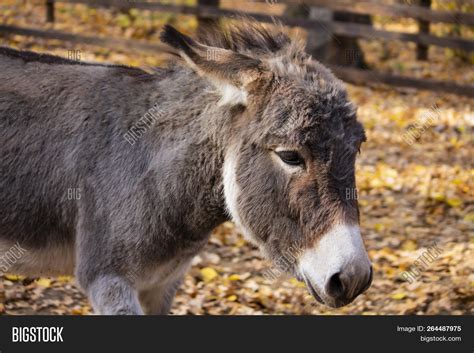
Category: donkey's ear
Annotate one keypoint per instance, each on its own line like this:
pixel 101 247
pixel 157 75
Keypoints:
pixel 232 73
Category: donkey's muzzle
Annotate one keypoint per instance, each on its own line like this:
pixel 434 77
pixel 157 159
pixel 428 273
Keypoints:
pixel 338 268
pixel 343 288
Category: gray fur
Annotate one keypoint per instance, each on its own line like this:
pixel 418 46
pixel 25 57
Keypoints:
pixel 151 206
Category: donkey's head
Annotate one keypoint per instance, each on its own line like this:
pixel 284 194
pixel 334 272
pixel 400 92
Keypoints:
pixel 289 179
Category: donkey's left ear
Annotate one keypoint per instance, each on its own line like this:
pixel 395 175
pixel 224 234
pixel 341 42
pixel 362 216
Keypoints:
pixel 233 74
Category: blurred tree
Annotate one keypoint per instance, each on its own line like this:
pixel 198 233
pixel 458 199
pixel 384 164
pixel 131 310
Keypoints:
pixel 326 46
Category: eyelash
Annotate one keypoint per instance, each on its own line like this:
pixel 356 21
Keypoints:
pixel 292 158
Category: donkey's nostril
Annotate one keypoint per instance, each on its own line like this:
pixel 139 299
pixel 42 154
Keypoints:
pixel 335 286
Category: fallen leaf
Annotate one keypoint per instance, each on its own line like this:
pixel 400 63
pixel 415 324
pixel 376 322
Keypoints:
pixel 208 274
pixel 234 277
pixel 399 296
pixel 44 282
pixel 14 278
pixel 232 298
pixel 409 245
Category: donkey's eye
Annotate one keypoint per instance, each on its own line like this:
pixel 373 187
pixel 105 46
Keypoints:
pixel 291 157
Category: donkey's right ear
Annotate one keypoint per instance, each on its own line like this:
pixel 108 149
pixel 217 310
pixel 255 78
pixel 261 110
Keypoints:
pixel 231 73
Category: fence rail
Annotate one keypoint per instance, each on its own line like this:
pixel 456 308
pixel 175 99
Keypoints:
pixel 355 76
pixel 395 10
pixel 362 77
pixel 335 27
pixel 111 43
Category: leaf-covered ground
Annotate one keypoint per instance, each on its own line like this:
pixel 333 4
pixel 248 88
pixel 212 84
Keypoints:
pixel 415 180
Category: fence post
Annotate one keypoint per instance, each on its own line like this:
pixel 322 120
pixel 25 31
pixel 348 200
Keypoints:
pixel 423 27
pixel 206 23
pixel 50 10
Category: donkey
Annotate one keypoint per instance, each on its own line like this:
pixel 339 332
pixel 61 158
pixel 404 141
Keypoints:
pixel 118 175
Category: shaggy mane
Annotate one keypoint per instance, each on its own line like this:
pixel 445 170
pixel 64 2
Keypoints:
pixel 248 37
pixel 271 44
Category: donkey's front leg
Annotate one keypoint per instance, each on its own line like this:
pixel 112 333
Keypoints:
pixel 113 295
pixel 100 273
pixel 158 299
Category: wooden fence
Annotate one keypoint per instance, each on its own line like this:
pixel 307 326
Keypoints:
pixel 356 76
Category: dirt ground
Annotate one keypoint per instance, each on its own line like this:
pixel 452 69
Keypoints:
pixel 415 179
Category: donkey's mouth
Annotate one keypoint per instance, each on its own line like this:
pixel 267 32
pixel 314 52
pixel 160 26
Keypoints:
pixel 312 290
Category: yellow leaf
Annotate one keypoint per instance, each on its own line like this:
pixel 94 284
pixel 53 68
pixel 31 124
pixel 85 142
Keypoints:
pixel 438 196
pixel 454 202
pixel 399 296
pixel 44 282
pixel 409 245
pixel 297 283
pixel 379 227
pixel 469 217
pixel 234 277
pixel 14 278
pixel 78 311
pixel 390 271
pixel 457 181
pixel 208 274
pixel 124 20
pixel 232 298
pixel 240 242
pixel 64 279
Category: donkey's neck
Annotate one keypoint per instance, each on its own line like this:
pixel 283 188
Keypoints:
pixel 193 134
